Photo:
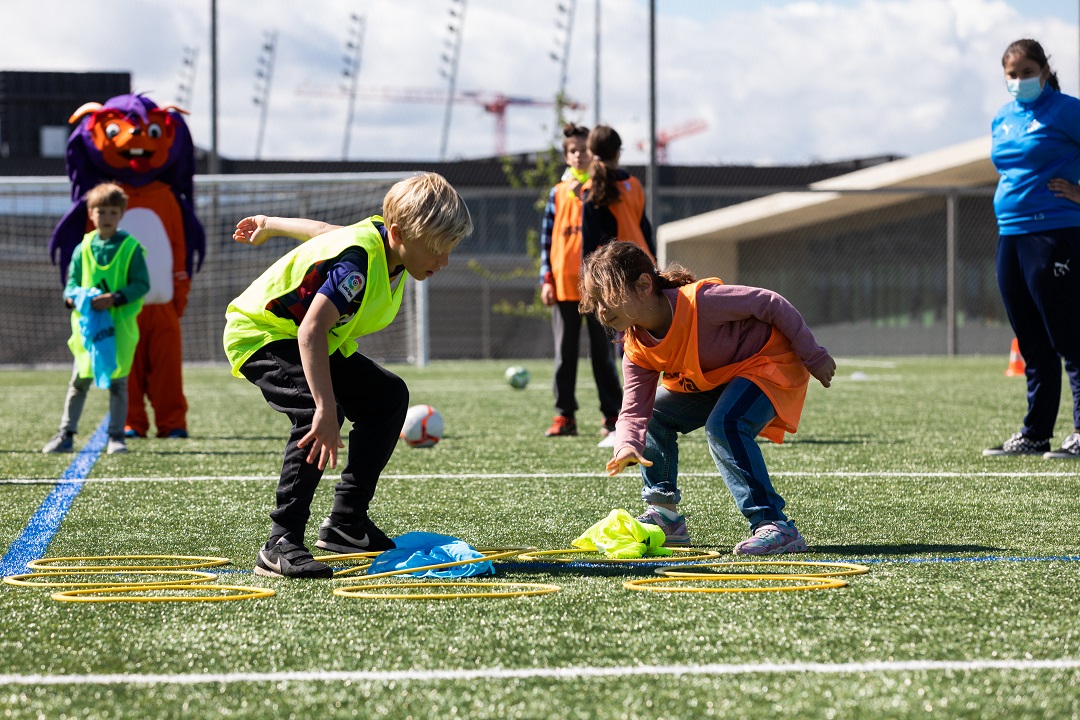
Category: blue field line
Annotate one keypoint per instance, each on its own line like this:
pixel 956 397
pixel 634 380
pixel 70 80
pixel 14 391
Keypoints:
pixel 45 522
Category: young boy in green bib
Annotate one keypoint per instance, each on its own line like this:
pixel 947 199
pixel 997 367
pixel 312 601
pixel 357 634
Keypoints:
pixel 106 281
pixel 293 333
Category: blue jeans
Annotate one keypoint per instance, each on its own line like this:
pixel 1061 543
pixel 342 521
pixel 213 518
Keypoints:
pixel 732 416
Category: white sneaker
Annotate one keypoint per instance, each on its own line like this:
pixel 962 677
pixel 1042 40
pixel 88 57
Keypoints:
pixel 116 446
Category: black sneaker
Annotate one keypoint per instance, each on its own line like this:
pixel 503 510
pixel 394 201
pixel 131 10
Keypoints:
pixel 1070 449
pixel 61 442
pixel 285 558
pixel 1019 444
pixel 365 537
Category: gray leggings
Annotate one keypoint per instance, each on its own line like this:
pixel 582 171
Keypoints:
pixel 76 399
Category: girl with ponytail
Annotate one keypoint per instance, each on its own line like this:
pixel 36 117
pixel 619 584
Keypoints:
pixel 614 199
pixel 733 359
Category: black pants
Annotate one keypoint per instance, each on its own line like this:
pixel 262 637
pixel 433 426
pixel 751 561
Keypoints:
pixel 566 328
pixel 1039 279
pixel 371 397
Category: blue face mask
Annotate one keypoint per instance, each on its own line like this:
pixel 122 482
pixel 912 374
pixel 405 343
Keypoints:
pixel 1025 90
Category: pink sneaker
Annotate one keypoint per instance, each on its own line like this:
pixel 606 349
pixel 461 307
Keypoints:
pixel 772 538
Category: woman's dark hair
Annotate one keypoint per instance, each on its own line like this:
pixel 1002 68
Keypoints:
pixel 604 144
pixel 570 131
pixel 608 275
pixel 1032 50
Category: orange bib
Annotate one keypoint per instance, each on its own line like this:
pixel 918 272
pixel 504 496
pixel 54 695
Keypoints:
pixel 628 211
pixel 565 250
pixel 776 369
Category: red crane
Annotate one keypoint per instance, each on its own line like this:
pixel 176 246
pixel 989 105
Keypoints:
pixel 495 103
pixel 665 136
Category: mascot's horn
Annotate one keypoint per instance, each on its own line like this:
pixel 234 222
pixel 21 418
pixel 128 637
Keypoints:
pixel 87 108
pixel 174 108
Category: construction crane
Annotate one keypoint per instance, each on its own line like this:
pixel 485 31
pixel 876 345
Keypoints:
pixel 495 103
pixel 665 136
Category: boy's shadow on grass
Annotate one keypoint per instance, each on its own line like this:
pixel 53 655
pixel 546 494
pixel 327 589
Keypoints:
pixel 902 549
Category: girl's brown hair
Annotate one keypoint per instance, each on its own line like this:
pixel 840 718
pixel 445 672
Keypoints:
pixel 604 144
pixel 1032 50
pixel 608 275
pixel 570 131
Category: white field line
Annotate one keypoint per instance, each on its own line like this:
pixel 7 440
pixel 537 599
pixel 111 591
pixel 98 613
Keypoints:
pixel 599 476
pixel 550 673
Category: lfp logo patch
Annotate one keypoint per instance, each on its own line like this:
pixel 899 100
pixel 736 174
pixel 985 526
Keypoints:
pixel 351 285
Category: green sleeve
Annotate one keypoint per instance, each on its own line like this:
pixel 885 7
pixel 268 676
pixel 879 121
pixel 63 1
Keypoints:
pixel 74 276
pixel 138 277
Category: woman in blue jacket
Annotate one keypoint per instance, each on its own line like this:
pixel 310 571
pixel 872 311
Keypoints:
pixel 1036 150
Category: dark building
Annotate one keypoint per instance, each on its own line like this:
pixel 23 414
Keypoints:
pixel 35 107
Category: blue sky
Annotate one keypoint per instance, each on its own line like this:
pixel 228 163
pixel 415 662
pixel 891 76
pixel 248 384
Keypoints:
pixel 775 81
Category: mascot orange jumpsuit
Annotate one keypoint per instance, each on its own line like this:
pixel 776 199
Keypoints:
pixel 148 151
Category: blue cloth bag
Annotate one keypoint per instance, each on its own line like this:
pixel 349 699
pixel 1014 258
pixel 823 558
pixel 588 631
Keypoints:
pixel 417 549
pixel 98 335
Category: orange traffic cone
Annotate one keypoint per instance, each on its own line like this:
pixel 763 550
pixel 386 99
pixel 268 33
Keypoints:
pixel 1016 360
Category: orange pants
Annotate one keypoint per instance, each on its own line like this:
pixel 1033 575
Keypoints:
pixel 157 373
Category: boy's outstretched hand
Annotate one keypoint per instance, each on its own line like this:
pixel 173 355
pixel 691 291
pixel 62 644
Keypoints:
pixel 251 230
pixel 624 458
pixel 324 438
pixel 825 371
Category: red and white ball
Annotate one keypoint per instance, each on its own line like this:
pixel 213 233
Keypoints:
pixel 423 426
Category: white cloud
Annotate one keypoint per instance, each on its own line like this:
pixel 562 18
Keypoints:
pixel 777 82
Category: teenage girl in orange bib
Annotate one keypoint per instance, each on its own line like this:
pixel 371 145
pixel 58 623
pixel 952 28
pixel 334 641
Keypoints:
pixel 736 360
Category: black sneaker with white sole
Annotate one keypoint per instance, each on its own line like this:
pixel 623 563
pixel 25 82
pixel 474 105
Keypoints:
pixel 288 559
pixel 363 538
pixel 1070 449
pixel 1019 444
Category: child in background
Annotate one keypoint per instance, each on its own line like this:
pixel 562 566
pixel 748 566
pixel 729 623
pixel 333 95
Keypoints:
pixel 560 272
pixel 614 200
pixel 293 333
pixel 734 361
pixel 114 263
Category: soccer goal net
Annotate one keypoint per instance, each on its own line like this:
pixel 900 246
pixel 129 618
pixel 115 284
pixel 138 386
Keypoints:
pixel 35 325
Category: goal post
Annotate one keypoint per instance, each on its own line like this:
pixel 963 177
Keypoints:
pixel 35 326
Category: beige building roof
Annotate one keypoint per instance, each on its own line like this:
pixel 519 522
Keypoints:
pixel 711 237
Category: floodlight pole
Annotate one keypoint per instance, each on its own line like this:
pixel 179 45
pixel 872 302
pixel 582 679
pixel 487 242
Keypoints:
pixel 596 66
pixel 457 29
pixel 352 71
pixel 651 176
pixel 213 160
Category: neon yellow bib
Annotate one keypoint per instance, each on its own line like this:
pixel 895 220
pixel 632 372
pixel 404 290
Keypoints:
pixel 249 325
pixel 125 318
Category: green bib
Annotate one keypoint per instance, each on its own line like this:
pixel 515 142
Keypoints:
pixel 249 325
pixel 125 318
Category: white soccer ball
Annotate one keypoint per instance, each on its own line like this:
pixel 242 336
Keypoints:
pixel 517 376
pixel 423 426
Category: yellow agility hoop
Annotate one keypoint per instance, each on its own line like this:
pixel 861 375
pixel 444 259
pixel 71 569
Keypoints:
pixel 373 591
pixel 56 564
pixel 113 594
pixel 40 579
pixel 808 583
pixel 554 556
pixel 692 571
pixel 487 554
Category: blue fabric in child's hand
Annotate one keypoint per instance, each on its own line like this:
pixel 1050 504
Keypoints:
pixel 418 549
pixel 98 334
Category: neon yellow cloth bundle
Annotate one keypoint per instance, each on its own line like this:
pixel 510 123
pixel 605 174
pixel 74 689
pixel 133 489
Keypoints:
pixel 621 535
